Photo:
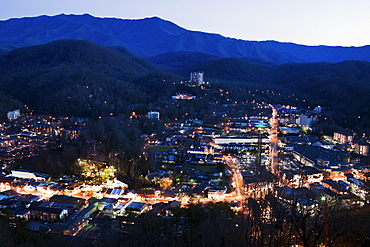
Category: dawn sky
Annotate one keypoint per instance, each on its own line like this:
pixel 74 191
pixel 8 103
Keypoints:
pixel 310 22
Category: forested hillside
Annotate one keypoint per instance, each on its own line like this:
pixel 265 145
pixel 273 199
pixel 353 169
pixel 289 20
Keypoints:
pixel 76 77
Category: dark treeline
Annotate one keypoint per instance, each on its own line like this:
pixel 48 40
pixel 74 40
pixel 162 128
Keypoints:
pixel 264 223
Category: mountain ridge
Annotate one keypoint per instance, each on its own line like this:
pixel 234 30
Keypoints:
pixel 154 36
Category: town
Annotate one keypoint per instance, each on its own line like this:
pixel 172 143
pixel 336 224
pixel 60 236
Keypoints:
pixel 241 151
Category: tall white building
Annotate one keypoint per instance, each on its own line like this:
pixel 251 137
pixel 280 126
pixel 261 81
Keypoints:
pixel 197 77
pixel 14 114
pixel 153 115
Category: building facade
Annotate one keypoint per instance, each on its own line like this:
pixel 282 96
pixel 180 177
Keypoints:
pixel 197 77
pixel 343 137
pixel 153 115
pixel 13 114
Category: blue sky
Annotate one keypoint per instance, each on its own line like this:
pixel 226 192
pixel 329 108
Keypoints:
pixel 310 22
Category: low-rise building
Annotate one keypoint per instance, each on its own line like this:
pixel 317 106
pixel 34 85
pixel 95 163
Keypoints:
pixel 148 193
pixel 311 175
pixel 217 192
pixel 137 207
pixel 183 96
pixel 48 211
pixel 342 137
pixel 362 147
pixel 28 175
pixel 306 120
pixel 153 115
pixel 319 158
pixel 337 187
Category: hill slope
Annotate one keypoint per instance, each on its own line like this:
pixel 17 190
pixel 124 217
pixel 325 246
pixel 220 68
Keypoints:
pixel 77 51
pixel 75 77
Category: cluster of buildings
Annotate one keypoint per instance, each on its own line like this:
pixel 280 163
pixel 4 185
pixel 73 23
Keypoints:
pixel 320 166
pixel 308 169
pixel 347 141
pixel 26 136
pixel 69 204
pixel 294 117
pixel 23 144
pixel 311 169
pixel 207 155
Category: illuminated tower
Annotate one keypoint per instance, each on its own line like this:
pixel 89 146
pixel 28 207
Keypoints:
pixel 260 126
pixel 273 141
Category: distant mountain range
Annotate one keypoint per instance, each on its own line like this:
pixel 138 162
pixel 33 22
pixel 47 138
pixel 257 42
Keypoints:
pixel 154 37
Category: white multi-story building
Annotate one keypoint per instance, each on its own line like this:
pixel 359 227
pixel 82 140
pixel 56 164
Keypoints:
pixel 153 115
pixel 14 114
pixel 197 77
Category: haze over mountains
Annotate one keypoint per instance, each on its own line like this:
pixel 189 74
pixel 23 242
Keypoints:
pixel 150 37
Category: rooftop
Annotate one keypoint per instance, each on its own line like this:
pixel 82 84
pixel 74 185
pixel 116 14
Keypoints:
pixel 317 153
